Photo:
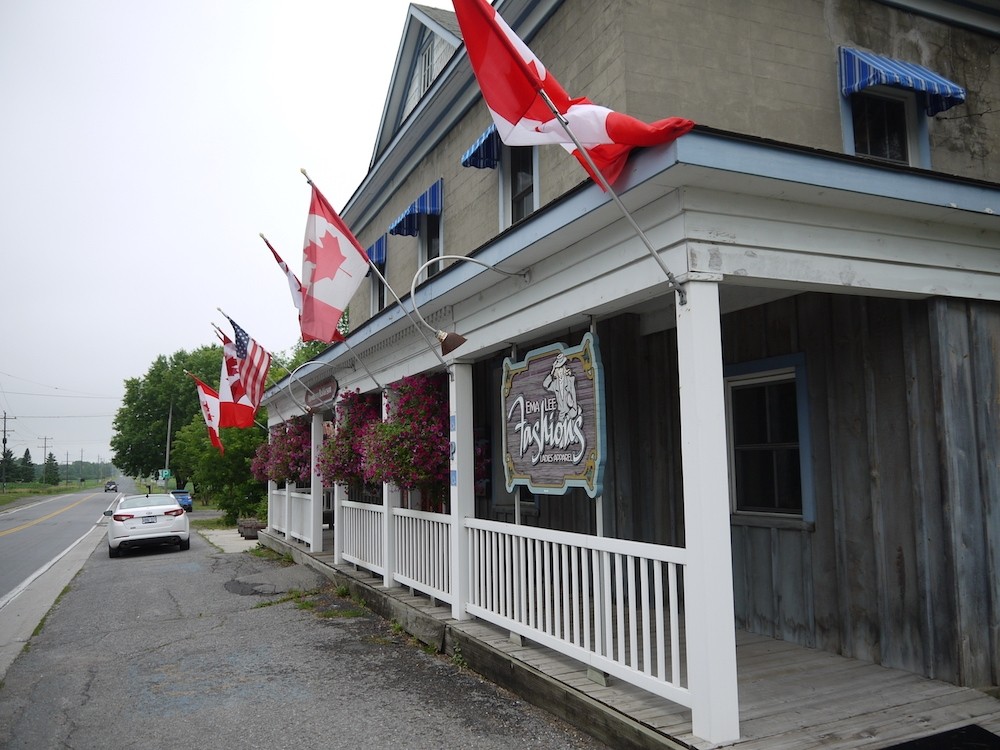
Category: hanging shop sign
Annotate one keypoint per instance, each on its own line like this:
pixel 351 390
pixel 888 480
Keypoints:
pixel 322 394
pixel 553 404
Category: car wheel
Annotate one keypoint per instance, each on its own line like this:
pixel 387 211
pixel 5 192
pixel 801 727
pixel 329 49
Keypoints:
pixel 185 544
pixel 113 551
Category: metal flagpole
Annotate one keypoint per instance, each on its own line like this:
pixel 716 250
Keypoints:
pixel 607 187
pixel 378 273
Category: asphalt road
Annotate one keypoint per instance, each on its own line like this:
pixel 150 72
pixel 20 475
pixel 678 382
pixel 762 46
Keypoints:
pixel 174 648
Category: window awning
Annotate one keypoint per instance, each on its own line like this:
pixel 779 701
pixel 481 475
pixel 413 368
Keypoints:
pixel 485 152
pixel 429 203
pixel 860 69
pixel 377 252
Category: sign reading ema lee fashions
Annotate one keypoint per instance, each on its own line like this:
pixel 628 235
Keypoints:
pixel 553 404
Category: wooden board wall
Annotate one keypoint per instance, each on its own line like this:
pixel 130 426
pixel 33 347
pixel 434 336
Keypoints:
pixel 901 565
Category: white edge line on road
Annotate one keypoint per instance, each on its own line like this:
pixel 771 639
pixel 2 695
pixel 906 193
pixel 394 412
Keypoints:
pixel 42 570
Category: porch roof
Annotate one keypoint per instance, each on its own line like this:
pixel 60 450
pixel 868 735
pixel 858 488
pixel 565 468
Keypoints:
pixel 714 160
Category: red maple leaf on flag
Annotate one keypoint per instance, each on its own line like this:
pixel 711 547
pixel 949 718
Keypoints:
pixel 333 266
pixel 326 258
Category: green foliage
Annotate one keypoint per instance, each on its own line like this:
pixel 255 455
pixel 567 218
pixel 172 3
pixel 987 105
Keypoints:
pixel 226 478
pixel 8 469
pixel 25 468
pixel 165 394
pixel 50 474
pixel 284 362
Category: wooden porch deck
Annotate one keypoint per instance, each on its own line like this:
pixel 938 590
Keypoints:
pixel 790 696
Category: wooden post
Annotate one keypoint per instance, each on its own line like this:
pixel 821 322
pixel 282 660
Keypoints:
pixel 463 501
pixel 708 577
pixel 316 486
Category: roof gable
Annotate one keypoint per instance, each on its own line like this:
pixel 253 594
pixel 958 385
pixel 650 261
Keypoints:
pixel 430 38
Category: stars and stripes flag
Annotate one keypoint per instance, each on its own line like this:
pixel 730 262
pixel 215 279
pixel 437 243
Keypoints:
pixel 209 400
pixel 511 78
pixel 253 363
pixel 333 267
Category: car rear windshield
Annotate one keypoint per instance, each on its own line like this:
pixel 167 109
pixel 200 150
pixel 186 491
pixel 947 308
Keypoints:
pixel 143 501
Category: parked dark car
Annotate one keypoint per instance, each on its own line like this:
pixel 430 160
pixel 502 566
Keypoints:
pixel 111 486
pixel 184 498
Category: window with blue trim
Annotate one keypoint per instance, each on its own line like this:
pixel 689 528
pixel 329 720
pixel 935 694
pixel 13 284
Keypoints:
pixel 885 104
pixel 430 242
pixel 767 410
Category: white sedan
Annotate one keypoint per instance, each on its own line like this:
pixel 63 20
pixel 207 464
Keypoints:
pixel 146 520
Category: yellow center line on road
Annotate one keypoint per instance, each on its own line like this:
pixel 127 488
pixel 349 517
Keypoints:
pixel 29 524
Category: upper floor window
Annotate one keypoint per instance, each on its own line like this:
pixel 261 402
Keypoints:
pixel 769 441
pixel 885 104
pixel 519 176
pixel 883 127
pixel 377 253
pixel 430 242
pixel 422 219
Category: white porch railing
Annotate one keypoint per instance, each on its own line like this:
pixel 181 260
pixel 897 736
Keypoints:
pixel 288 512
pixel 423 552
pixel 609 603
pixel 362 535
pixel 277 502
pixel 300 505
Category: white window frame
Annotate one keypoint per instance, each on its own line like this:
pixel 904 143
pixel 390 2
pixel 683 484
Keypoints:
pixel 507 187
pixel 426 273
pixel 917 137
pixel 377 293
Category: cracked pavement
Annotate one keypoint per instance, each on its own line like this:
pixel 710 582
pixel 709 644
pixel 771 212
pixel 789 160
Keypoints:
pixel 209 648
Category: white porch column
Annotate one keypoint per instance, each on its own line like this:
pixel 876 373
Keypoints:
pixel 463 489
pixel 288 510
pixel 390 500
pixel 339 492
pixel 315 486
pixel 272 487
pixel 708 578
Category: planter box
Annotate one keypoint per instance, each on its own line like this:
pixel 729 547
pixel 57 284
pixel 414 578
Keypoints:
pixel 248 527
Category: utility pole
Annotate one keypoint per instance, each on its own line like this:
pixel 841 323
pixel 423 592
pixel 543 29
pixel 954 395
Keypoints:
pixel 45 454
pixel 3 453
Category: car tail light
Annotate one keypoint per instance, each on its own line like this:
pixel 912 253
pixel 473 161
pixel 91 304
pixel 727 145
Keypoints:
pixel 122 516
pixel 174 512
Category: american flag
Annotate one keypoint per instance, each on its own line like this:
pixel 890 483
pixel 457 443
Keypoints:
pixel 254 362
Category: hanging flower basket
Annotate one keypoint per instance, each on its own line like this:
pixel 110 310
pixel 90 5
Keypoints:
pixel 288 454
pixel 340 458
pixel 410 449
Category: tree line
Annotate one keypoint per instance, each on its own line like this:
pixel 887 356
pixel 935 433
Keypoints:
pixel 24 470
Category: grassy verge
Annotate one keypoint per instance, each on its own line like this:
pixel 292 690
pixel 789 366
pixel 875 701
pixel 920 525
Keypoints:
pixel 19 491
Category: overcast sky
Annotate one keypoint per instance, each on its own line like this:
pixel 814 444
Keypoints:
pixel 143 148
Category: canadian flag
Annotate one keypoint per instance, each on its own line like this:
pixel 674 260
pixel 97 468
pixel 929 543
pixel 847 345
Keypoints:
pixel 511 79
pixel 333 267
pixel 209 401
pixel 235 407
pixel 294 285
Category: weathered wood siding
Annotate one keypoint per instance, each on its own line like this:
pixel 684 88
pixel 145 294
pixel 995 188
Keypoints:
pixel 901 564
pixel 899 567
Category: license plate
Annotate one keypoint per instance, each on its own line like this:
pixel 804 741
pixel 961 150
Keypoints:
pixel 149 519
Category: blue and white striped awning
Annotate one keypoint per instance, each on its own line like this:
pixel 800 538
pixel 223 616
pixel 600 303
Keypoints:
pixel 429 203
pixel 377 252
pixel 860 69
pixel 485 152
